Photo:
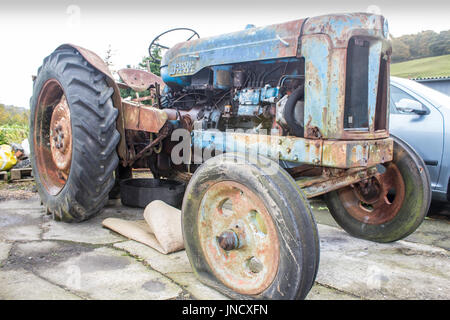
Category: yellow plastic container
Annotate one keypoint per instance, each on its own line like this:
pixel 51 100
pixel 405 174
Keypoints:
pixel 7 157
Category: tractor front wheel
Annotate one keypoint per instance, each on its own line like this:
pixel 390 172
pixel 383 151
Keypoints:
pixel 73 136
pixel 248 229
pixel 389 206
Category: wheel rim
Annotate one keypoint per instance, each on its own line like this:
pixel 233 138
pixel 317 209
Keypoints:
pixel 53 137
pixel 377 200
pixel 238 237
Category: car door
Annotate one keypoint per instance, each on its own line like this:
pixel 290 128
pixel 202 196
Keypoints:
pixel 423 132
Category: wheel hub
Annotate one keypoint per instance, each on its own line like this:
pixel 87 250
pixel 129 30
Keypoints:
pixel 377 200
pixel 61 135
pixel 368 191
pixel 238 237
pixel 52 137
pixel 228 240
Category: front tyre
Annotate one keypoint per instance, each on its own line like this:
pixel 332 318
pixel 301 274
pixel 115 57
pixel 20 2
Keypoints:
pixel 73 136
pixel 389 206
pixel 248 230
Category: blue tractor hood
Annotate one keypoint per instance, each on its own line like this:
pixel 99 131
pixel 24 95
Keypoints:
pixel 262 43
pixel 253 44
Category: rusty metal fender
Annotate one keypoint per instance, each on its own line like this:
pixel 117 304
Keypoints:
pixel 102 67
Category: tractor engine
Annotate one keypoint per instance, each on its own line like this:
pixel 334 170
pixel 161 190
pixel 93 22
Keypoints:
pixel 248 95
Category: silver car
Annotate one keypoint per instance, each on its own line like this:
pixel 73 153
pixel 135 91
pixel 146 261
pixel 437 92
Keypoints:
pixel 421 117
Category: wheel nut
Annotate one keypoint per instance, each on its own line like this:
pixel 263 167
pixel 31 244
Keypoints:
pixel 255 265
pixel 228 240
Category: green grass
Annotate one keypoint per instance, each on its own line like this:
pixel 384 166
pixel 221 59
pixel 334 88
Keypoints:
pixel 13 133
pixel 423 68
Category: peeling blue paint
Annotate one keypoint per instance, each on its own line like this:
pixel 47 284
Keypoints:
pixel 323 45
pixel 317 68
pixel 374 69
pixel 253 44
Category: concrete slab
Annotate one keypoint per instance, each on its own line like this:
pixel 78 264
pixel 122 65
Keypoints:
pixel 20 224
pixel 24 285
pixel 105 273
pixel 197 290
pixel 36 255
pixel 319 292
pixel 400 270
pixel 4 251
pixel 170 263
pixel 69 261
pixel 33 203
pixel 91 231
pixel 432 231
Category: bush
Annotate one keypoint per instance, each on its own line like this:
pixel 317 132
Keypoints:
pixel 13 133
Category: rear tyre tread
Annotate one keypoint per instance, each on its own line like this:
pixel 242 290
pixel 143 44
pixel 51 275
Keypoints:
pixel 95 137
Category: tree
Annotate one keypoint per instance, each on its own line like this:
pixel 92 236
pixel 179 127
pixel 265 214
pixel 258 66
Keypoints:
pixel 145 63
pixel 420 45
pixel 108 57
pixel 3 114
pixel 153 64
pixel 441 45
pixel 400 51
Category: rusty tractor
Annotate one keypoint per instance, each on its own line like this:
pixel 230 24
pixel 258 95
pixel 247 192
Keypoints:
pixel 286 112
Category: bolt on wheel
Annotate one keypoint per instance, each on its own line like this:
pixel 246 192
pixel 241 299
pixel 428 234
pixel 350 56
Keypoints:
pixel 53 138
pixel 377 200
pixel 73 136
pixel 238 237
pixel 248 232
pixel 389 206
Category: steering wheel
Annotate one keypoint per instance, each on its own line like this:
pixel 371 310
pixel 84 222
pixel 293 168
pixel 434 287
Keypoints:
pixel 155 43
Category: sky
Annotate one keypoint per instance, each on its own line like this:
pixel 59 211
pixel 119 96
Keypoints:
pixel 30 30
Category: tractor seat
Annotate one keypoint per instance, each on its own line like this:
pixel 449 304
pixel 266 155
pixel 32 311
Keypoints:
pixel 139 80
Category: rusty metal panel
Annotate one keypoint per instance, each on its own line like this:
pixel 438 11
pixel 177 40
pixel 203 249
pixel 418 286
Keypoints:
pixel 345 154
pixel 272 146
pixel 316 51
pixel 328 153
pixel 323 184
pixel 324 87
pixel 139 80
pixel 356 153
pixel 144 118
pixel 341 27
pixel 381 151
pixel 324 45
pixel 325 78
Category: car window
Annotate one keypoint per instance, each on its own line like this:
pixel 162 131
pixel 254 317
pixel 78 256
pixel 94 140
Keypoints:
pixel 434 97
pixel 397 95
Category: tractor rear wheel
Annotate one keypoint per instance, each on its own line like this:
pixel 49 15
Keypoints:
pixel 73 136
pixel 248 230
pixel 389 206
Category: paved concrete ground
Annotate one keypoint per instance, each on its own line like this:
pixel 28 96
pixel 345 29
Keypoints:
pixel 44 259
